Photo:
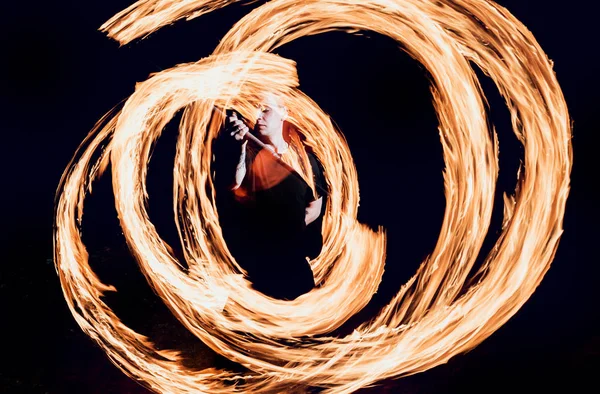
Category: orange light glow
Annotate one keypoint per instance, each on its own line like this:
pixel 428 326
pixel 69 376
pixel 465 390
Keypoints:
pixel 430 320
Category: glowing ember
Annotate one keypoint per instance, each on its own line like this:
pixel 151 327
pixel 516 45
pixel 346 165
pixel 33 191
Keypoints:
pixel 428 321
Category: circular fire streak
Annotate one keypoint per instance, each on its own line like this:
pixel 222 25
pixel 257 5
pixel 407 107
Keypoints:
pixel 431 318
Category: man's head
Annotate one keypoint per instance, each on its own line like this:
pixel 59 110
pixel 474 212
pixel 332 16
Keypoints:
pixel 270 116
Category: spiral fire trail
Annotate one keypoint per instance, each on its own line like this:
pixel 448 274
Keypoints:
pixel 429 320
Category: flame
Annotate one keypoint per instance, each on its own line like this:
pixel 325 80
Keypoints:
pixel 429 320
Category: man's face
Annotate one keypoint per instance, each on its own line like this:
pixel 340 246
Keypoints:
pixel 270 116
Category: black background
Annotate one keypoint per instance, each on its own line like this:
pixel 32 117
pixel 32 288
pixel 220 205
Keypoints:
pixel 59 75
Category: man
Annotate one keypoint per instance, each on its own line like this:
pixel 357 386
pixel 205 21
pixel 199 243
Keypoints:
pixel 274 201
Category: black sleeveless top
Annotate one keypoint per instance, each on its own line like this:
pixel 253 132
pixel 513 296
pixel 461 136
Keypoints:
pixel 264 226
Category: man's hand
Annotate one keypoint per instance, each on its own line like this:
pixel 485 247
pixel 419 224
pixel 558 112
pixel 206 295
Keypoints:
pixel 237 128
pixel 313 210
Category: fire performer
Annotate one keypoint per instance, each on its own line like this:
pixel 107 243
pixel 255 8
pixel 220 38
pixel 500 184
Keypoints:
pixel 271 215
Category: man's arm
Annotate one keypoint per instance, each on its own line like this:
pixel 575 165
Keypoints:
pixel 238 130
pixel 314 208
pixel 240 169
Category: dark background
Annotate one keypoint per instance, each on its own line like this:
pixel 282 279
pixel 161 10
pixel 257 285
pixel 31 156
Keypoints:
pixel 59 75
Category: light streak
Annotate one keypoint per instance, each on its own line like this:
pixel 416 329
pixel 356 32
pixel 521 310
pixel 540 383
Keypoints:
pixel 429 320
